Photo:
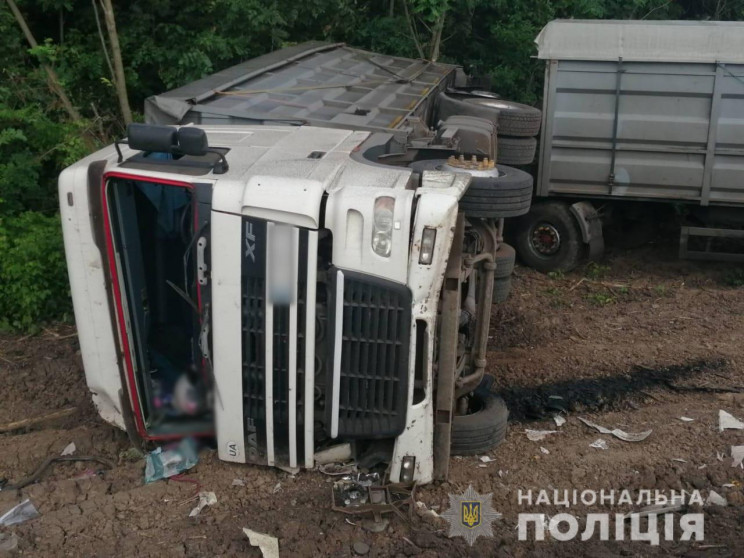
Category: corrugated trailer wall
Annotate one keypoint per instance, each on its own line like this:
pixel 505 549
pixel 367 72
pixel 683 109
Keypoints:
pixel 643 130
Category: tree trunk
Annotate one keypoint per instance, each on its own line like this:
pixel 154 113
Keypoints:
pixel 52 80
pixel 412 29
pixel 436 40
pixel 120 82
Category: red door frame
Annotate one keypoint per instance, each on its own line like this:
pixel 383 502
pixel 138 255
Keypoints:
pixel 132 385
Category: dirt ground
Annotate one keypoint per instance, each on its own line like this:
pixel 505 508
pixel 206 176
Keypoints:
pixel 633 343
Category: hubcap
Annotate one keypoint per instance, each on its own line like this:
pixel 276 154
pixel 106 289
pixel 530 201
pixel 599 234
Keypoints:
pixel 546 240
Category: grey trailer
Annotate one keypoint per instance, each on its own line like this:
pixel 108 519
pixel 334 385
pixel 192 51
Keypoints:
pixel 637 111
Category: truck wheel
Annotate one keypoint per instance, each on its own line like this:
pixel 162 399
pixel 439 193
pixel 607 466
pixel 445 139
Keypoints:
pixel 504 259
pixel 506 194
pixel 512 119
pixel 515 151
pixel 549 238
pixel 501 290
pixel 483 428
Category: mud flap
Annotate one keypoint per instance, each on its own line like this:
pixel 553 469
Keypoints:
pixel 590 225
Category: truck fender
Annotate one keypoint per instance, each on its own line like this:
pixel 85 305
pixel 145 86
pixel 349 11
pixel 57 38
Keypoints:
pixel 590 224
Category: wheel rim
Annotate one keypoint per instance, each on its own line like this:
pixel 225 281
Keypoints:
pixel 545 239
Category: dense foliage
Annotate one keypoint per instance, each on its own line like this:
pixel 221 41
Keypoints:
pixel 166 43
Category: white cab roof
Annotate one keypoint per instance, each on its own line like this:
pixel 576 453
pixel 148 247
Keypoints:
pixel 643 41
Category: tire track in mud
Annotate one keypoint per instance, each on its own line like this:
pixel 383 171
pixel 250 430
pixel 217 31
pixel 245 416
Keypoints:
pixel 621 391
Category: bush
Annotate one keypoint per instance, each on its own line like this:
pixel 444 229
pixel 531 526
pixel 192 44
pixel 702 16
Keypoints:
pixel 33 273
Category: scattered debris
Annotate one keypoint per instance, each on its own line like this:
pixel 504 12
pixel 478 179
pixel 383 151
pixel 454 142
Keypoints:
pixel 238 482
pixel 720 456
pixel 679 460
pixel 9 427
pixel 703 466
pixel 161 464
pixel 715 499
pixel 361 548
pixel 686 419
pixel 8 542
pixel 537 435
pixel 617 433
pixel 18 514
pixel 268 545
pixel 377 526
pixel 737 456
pixel 486 459
pixel 36 475
pixel 559 420
pixel 340 453
pixel 726 421
pixel 599 443
pixel 291 470
pixel 69 449
pixel 337 469
pixel 544 450
pixel 205 499
pixel 676 503
pixel 277 488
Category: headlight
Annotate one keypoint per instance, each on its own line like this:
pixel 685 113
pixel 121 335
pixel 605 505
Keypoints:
pixel 428 238
pixel 382 228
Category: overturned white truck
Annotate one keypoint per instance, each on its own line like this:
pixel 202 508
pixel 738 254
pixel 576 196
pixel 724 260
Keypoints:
pixel 323 275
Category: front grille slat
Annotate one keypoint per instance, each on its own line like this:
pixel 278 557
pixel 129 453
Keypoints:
pixel 269 425
pixel 375 339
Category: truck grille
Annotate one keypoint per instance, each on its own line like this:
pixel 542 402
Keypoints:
pixel 370 379
pixel 277 405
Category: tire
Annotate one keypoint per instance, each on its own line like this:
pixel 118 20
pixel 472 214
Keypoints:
pixel 504 259
pixel 515 151
pixel 549 238
pixel 512 119
pixel 501 290
pixel 515 119
pixel 491 197
pixel 482 430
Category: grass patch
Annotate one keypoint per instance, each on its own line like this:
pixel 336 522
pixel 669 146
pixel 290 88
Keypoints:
pixel 600 299
pixel 596 271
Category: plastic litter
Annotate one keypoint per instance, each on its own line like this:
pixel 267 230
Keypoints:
pixel 69 449
pixel 686 419
pixel 161 464
pixel 737 456
pixel 599 443
pixel 679 460
pixel 676 503
pixel 537 435
pixel 268 545
pixel 617 433
pixel 544 450
pixel 726 421
pixel 486 459
pixel 205 499
pixel 559 420
pixel 715 499
pixel 18 514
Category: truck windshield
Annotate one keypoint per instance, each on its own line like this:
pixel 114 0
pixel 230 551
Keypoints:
pixel 154 233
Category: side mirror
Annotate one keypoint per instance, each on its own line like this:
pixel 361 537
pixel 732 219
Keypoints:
pixel 192 141
pixel 145 137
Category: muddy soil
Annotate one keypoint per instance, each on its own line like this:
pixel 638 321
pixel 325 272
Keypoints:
pixel 635 343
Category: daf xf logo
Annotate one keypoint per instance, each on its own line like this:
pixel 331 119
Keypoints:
pixel 250 242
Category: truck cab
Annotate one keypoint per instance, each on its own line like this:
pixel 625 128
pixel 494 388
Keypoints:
pixel 287 289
